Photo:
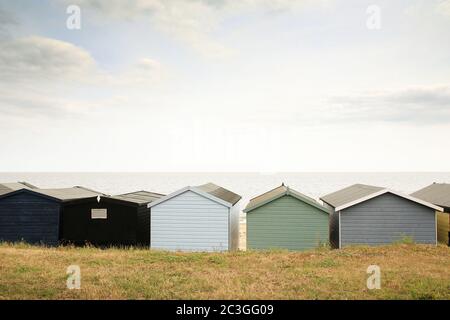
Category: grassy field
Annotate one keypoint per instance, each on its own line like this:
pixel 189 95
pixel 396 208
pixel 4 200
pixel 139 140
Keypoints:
pixel 408 271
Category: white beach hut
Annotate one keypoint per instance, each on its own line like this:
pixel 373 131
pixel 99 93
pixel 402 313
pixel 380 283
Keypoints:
pixel 201 218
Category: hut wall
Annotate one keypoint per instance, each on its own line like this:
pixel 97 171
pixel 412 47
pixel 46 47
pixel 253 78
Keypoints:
pixel 386 219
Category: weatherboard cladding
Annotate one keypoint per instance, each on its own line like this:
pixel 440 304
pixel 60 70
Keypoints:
pixel 285 218
pixel 373 215
pixel 34 215
pixel 386 219
pixel 127 222
pixel 436 193
pixel 439 194
pixel 287 222
pixel 30 217
pixel 118 229
pixel 190 222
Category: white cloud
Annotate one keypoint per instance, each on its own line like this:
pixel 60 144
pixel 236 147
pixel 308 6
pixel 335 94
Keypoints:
pixel 6 21
pixel 428 8
pixel 39 58
pixel 418 105
pixel 292 81
pixel 188 21
pixel 6 18
pixel 443 7
pixel 38 105
pixel 145 73
pixel 191 22
pixel 43 76
pixel 33 59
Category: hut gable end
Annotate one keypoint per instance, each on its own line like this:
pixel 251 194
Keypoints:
pixel 385 219
pixel 30 217
pixel 285 218
pixel 191 222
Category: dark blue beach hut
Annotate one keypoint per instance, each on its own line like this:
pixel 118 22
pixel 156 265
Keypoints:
pixel 34 215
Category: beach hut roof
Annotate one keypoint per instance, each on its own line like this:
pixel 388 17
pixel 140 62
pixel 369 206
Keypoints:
pixel 437 193
pixel 349 194
pixel 12 186
pixel 358 193
pixel 221 193
pixel 138 197
pixel 208 190
pixel 67 194
pixel 278 193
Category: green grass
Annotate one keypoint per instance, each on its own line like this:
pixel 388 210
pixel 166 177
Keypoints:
pixel 408 271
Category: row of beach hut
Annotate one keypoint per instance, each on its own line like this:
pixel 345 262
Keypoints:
pixel 206 217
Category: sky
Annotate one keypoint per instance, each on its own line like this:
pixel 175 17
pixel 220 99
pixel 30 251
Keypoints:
pixel 225 86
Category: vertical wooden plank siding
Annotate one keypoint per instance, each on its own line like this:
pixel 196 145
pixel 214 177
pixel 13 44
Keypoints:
pixel 286 223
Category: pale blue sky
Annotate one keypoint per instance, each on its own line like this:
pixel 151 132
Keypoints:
pixel 199 85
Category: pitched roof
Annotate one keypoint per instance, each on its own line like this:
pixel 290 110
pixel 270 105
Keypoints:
pixel 209 191
pixel 66 194
pixel 221 193
pixel 139 197
pixel 437 193
pixel 266 197
pixel 349 194
pixel 356 194
pixel 12 186
pixel 278 193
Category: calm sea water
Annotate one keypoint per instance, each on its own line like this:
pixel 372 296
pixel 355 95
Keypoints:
pixel 246 184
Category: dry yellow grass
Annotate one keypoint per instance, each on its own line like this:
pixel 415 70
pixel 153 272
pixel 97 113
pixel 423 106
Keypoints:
pixel 408 272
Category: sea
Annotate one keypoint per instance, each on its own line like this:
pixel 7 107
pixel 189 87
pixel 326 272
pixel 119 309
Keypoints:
pixel 248 185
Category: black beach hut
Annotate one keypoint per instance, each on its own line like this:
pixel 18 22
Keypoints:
pixel 34 215
pixel 122 220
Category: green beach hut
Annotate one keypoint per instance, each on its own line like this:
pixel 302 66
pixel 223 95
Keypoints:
pixel 285 218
